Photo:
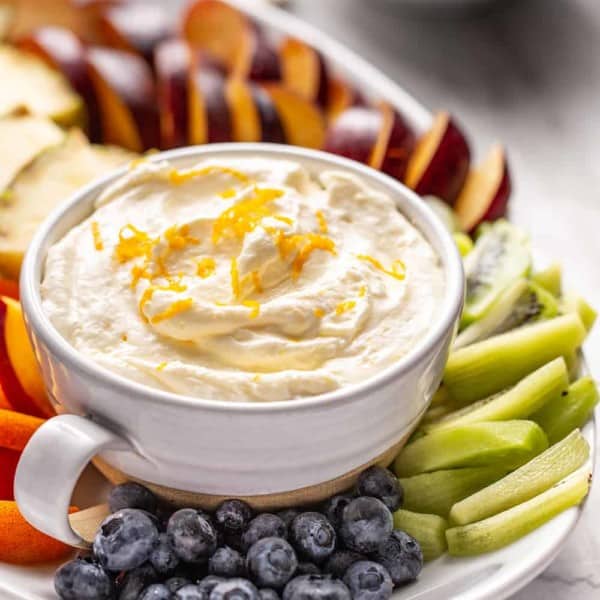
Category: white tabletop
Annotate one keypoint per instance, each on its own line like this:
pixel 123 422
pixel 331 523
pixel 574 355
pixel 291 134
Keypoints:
pixel 528 75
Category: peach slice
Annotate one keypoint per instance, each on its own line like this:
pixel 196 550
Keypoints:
pixel 219 29
pixel 126 95
pixel 135 27
pixel 20 377
pixel 440 162
pixel 253 114
pixel 303 122
pixel 486 192
pixel 209 116
pixel 304 71
pixel 64 51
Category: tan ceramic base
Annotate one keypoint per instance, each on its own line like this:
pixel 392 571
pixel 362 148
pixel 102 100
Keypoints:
pixel 301 497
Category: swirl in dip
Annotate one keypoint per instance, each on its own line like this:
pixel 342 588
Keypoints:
pixel 245 280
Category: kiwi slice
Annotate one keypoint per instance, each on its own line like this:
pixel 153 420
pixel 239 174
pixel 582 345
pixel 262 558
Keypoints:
pixel 533 478
pixel 500 256
pixel 550 279
pixel 505 444
pixel 437 492
pixel 568 411
pixel 508 526
pixel 529 395
pixel 523 302
pixel 428 530
pixel 463 242
pixel 572 303
pixel 495 364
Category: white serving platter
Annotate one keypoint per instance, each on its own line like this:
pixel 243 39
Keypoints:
pixel 493 576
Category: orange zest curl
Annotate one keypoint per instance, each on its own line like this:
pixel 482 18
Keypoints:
pixel 254 306
pixel 205 267
pixel 177 177
pixel 133 243
pixel 343 307
pixel 178 307
pixel 98 243
pixel 398 269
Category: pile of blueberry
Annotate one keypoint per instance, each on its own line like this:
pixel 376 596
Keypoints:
pixel 346 550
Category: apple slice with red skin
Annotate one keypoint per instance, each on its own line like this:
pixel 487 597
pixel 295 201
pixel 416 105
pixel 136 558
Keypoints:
pixel 64 51
pixel 253 114
pixel 124 87
pixel 440 162
pixel 377 136
pixel 304 71
pixel 8 467
pixel 302 121
pixel 136 27
pixel 210 119
pixel 341 95
pixel 218 29
pixel 20 378
pixel 258 61
pixel 486 192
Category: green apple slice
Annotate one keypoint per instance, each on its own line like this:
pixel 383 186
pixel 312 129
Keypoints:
pixel 504 444
pixel 508 526
pixel 529 395
pixel 569 411
pixel 437 492
pixel 30 84
pixel 572 303
pixel 550 279
pixel 533 478
pixel 495 364
pixel 428 530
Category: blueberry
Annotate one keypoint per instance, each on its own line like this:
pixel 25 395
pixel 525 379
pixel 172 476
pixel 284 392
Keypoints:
pixel 125 540
pixel 307 568
pixel 208 584
pixel 316 587
pixel 288 515
pixel 383 484
pixel 163 557
pixel 189 592
pixel 334 507
pixel 401 555
pixel 191 535
pixel 233 516
pixel 340 561
pixel 136 580
pixel 174 583
pixel 268 594
pixel 368 580
pixel 81 579
pixel 271 562
pixel 132 495
pixel 156 591
pixel 262 526
pixel 235 589
pixel 313 536
pixel 366 523
pixel 226 562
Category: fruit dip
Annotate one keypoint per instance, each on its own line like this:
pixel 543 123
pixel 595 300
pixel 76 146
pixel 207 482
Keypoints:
pixel 243 280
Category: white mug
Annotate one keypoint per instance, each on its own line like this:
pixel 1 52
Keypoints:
pixel 207 446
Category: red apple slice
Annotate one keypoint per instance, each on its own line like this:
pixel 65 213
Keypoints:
pixel 440 162
pixel 302 121
pixel 136 27
pixel 64 51
pixel 20 378
pixel 210 119
pixel 341 96
pixel 354 133
pixel 126 94
pixel 257 59
pixel 486 192
pixel 304 71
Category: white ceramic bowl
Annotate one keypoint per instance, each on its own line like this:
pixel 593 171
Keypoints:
pixel 206 446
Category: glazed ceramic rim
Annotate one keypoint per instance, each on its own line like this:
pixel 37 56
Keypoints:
pixel 410 203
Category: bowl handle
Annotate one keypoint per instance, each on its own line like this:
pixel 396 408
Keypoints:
pixel 50 466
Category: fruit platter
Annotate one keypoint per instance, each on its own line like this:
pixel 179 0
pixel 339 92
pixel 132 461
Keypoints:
pixel 283 312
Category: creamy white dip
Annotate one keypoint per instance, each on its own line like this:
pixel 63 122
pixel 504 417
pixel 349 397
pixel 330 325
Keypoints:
pixel 243 279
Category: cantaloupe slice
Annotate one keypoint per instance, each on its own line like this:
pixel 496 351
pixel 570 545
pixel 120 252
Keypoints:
pixel 22 138
pixel 29 84
pixel 47 182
